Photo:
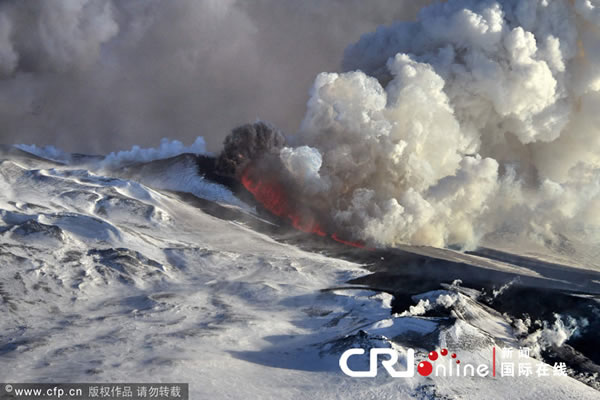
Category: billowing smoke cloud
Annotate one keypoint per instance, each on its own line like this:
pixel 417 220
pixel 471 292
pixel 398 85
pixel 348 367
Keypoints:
pixel 103 75
pixel 479 117
pixel 248 143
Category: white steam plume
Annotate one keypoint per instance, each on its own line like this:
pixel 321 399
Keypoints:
pixel 549 335
pixel 479 117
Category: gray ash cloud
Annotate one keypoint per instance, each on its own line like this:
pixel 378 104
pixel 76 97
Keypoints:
pixel 103 75
pixel 249 143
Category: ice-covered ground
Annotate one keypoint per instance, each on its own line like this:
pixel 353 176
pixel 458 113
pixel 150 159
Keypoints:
pixel 110 279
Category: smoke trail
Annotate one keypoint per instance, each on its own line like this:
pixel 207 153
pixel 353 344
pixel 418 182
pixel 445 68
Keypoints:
pixel 479 117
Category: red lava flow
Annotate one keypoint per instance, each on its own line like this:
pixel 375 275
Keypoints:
pixel 272 196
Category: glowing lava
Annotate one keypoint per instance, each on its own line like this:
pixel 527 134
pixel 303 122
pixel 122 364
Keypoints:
pixel 273 197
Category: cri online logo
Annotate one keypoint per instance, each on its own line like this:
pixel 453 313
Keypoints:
pixel 447 364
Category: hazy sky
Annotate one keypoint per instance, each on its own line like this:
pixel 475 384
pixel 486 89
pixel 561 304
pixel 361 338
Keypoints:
pixel 97 76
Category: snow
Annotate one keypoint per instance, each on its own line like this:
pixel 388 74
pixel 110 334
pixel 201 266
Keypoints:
pixel 108 279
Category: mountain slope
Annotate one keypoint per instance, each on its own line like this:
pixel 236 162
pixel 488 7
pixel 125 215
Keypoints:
pixel 107 276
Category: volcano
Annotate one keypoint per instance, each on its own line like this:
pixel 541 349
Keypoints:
pixel 170 266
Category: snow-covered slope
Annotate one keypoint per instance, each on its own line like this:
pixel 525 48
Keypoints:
pixel 111 276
